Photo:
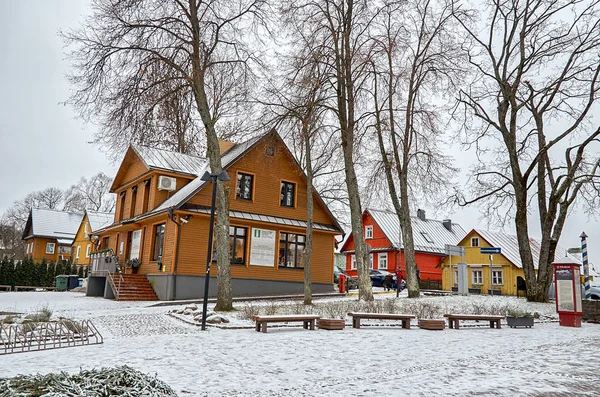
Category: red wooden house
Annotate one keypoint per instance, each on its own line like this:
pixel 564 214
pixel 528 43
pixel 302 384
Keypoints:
pixel 382 233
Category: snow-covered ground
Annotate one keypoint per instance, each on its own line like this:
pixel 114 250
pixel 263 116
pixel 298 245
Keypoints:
pixel 474 361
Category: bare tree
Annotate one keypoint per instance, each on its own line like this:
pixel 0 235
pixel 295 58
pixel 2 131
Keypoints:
pixel 92 193
pixel 417 62
pixel 338 30
pixel 537 80
pixel 199 47
pixel 50 198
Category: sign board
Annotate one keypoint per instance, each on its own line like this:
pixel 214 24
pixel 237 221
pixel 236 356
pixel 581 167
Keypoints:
pixel 454 250
pixel 490 250
pixel 262 247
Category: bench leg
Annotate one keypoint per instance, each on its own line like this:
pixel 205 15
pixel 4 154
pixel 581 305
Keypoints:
pixel 406 323
pixel 257 326
pixel 312 325
pixel 264 327
pixel 305 324
pixel 492 323
pixel 355 322
pixel 498 324
pixel 450 324
pixel 456 324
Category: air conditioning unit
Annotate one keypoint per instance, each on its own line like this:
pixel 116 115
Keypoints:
pixel 167 183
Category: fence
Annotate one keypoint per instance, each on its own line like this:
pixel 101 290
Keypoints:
pixel 430 284
pixel 18 338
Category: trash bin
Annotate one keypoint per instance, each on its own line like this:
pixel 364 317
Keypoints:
pixel 62 282
pixel 73 281
pixel 80 283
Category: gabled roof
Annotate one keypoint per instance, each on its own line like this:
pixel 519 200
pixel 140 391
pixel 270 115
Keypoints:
pixel 428 235
pixel 60 225
pixel 99 220
pixel 510 246
pixel 165 160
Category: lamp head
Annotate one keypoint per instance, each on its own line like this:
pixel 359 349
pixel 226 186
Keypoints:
pixel 223 176
pixel 206 177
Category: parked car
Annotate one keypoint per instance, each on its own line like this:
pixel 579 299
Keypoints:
pixel 378 277
pixel 352 282
pixel 594 290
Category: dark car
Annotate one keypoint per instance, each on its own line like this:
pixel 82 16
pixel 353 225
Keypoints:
pixel 352 282
pixel 379 277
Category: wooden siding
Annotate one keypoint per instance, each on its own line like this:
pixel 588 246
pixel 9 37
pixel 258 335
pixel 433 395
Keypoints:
pixel 268 173
pixel 39 249
pixel 428 263
pixel 479 261
pixel 81 241
pixel 194 242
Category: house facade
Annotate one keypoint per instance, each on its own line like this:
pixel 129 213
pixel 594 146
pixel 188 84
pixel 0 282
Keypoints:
pixel 86 239
pixel 505 273
pixel 382 234
pixel 162 219
pixel 49 234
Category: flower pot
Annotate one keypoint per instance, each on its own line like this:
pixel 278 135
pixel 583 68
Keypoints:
pixel 514 322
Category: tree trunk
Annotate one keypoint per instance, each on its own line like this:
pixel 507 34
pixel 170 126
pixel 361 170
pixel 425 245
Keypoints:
pixel 309 217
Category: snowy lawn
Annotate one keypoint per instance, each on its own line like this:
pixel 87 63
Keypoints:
pixel 372 361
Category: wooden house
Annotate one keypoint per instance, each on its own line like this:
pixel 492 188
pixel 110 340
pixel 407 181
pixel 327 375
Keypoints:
pixel 382 234
pixel 87 239
pixel 162 218
pixel 49 234
pixel 506 270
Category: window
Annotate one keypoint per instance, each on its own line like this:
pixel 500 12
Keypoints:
pixel 477 277
pixel 353 265
pixel 123 195
pixel 146 196
pixel 455 281
pixel 497 277
pixel 50 248
pixel 237 245
pixel 64 249
pixel 244 186
pixel 474 241
pixel 291 249
pixel 133 201
pixel 369 231
pixel 121 247
pixel 105 241
pixel 88 250
pixel 383 261
pixel 78 251
pixel 426 237
pixel 370 261
pixel 287 194
pixel 159 239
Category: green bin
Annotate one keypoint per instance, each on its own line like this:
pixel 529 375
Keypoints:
pixel 62 282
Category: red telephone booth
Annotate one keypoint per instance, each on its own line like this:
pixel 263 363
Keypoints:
pixel 567 284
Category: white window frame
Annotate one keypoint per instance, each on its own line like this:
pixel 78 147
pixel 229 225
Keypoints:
pixel 121 247
pixel 50 251
pixel 88 250
pixel 477 276
pixel 368 232
pixel 353 262
pixel 382 258
pixel 371 261
pixel 78 252
pixel 497 277
pixel 455 277
pixel 476 239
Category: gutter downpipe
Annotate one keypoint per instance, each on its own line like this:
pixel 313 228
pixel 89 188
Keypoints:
pixel 175 263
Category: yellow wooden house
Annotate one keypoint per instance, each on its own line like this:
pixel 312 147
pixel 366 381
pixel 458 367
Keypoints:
pixel 505 275
pixel 86 239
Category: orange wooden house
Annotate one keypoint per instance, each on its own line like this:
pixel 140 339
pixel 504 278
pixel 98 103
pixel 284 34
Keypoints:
pixel 162 218
pixel 382 233
pixel 86 239
pixel 49 234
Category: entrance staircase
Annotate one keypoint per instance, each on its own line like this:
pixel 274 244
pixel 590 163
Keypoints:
pixel 133 287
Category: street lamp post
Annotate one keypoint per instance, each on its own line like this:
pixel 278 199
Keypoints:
pixel 208 177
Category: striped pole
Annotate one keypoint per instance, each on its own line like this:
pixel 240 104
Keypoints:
pixel 586 266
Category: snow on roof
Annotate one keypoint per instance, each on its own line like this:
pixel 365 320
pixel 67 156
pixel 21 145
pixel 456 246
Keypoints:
pixel 429 235
pixel 510 247
pixel 168 160
pixel 54 224
pixel 99 220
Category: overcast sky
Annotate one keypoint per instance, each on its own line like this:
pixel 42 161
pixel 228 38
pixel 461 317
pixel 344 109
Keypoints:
pixel 43 143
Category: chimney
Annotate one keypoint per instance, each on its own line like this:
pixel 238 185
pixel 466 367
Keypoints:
pixel 421 214
pixel 447 224
pixel 225 146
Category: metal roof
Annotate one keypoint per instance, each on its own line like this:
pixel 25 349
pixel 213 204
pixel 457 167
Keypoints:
pixel 510 247
pixel 263 218
pixel 171 161
pixel 54 224
pixel 98 220
pixel 428 235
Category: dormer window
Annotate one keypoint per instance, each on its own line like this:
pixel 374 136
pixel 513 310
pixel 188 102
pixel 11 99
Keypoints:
pixel 426 237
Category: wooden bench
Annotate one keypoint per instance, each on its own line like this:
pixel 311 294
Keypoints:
pixel 306 319
pixel 405 318
pixel 454 319
pixel 30 288
pixel 6 288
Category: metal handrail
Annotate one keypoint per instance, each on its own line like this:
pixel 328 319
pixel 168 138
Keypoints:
pixel 106 262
